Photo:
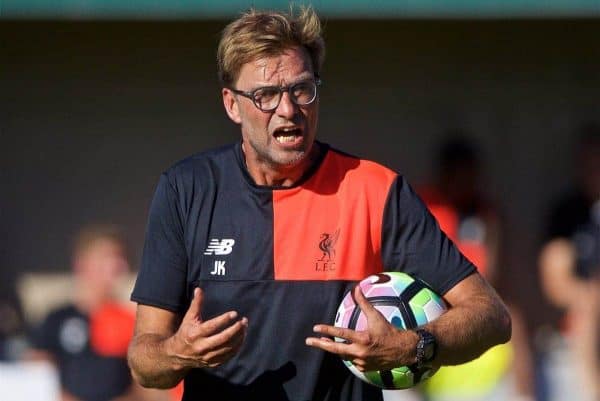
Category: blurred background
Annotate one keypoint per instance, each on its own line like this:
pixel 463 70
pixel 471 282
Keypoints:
pixel 98 97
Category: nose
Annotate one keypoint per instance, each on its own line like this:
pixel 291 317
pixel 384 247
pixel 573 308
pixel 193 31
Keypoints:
pixel 286 107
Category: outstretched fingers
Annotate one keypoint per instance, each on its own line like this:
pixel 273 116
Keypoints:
pixel 218 347
pixel 215 325
pixel 227 338
pixel 326 344
pixel 219 350
pixel 347 349
pixel 349 335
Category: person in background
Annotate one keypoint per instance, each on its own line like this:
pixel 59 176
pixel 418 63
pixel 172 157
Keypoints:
pixel 12 325
pixel 87 339
pixel 465 212
pixel 569 265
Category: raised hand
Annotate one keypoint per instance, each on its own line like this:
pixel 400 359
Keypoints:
pixel 380 347
pixel 199 343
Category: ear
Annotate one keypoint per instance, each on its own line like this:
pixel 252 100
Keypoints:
pixel 231 105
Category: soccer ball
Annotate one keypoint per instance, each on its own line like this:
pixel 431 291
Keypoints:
pixel 407 303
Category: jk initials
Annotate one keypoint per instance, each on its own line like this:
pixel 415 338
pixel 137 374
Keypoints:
pixel 219 269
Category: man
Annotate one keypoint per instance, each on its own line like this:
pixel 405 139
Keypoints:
pixel 87 338
pixel 251 247
pixel 570 272
pixel 467 215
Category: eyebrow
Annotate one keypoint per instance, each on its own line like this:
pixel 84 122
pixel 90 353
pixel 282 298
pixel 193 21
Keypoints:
pixel 296 81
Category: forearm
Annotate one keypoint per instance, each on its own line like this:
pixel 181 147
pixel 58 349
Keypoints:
pixel 476 320
pixel 557 265
pixel 166 346
pixel 151 363
pixel 464 332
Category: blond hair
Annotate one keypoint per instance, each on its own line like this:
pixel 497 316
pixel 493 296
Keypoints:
pixel 259 34
pixel 90 234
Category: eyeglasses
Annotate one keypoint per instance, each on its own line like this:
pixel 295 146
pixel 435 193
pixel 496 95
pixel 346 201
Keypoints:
pixel 267 98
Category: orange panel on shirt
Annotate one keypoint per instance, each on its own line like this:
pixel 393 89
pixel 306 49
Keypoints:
pixel 111 329
pixel 329 228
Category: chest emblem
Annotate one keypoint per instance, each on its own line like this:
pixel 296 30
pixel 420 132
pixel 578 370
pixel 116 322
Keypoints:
pixel 327 247
pixel 219 247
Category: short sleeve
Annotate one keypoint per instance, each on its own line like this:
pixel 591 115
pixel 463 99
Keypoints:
pixel 413 243
pixel 161 280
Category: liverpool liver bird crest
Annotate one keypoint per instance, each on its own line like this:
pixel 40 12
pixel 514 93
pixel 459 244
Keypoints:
pixel 327 245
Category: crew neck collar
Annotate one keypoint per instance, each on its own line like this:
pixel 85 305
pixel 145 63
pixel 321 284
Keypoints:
pixel 323 150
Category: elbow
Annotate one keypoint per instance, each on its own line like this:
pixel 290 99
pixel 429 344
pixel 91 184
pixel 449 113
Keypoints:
pixel 161 380
pixel 149 382
pixel 151 369
pixel 139 379
pixel 136 375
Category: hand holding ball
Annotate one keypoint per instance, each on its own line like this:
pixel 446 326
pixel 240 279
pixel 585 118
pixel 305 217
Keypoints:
pixel 405 302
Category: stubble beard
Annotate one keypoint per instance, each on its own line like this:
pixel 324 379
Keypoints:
pixel 278 159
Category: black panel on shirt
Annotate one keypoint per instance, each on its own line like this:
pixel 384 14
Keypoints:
pixel 413 243
pixel 83 373
pixel 200 204
pixel 274 363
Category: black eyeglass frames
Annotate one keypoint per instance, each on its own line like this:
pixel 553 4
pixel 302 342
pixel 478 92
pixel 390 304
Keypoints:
pixel 267 98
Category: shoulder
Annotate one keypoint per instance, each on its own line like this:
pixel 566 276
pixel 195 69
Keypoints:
pixel 197 163
pixel 65 310
pixel 60 314
pixel 361 169
pixel 199 169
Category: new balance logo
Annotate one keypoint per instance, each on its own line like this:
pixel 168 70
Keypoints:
pixel 219 247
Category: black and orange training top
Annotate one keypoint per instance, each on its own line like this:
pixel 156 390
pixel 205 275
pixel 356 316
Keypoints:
pixel 284 257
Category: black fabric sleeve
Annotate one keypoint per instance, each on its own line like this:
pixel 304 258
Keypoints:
pixel 161 281
pixel 413 243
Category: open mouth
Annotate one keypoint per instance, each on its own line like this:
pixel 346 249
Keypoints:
pixel 288 135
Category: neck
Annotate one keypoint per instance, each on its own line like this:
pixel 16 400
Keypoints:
pixel 266 174
pixel 89 297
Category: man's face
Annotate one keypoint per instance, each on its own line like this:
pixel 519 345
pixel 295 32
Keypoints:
pixel 102 264
pixel 279 139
